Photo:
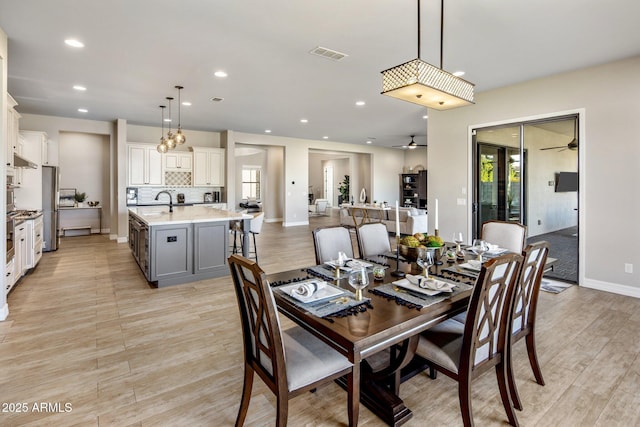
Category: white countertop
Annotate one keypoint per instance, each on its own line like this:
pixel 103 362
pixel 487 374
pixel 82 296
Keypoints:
pixel 159 215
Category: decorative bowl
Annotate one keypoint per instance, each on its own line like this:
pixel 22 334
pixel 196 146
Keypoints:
pixel 93 203
pixel 412 253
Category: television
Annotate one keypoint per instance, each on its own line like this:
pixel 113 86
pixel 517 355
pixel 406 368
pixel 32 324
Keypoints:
pixel 566 181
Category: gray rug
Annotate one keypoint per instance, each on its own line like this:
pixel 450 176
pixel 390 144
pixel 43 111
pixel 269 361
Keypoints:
pixel 554 286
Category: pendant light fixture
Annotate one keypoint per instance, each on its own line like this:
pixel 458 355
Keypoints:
pixel 162 147
pixel 170 141
pixel 421 83
pixel 179 137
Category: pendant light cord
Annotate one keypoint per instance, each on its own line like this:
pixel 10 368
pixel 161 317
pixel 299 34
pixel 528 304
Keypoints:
pixel 441 31
pixel 418 29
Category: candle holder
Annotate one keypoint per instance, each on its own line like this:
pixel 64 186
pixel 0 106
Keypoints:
pixel 397 273
pixel 436 232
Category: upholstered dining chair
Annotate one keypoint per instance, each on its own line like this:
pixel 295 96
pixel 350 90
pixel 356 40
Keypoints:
pixel 373 239
pixel 464 351
pixel 508 235
pixel 525 304
pixel 329 240
pixel 289 361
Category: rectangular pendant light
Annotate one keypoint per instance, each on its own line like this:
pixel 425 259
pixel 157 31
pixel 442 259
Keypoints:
pixel 421 83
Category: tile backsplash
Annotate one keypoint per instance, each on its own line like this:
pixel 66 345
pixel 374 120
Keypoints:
pixel 191 194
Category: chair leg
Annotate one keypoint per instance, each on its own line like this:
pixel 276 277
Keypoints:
pixel 255 248
pixel 433 372
pixel 501 373
pixel 235 241
pixel 513 389
pixel 533 357
pixel 246 395
pixel 464 395
pixel 283 409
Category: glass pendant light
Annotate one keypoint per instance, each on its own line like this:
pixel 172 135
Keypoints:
pixel 179 137
pixel 162 147
pixel 170 140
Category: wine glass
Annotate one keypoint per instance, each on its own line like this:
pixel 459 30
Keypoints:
pixel 480 247
pixel 457 239
pixel 340 262
pixel 359 279
pixel 426 262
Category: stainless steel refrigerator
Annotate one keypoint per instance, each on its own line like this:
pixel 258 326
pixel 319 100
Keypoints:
pixel 50 196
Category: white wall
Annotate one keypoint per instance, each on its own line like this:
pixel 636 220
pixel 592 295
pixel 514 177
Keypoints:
pixel 606 96
pixel 4 308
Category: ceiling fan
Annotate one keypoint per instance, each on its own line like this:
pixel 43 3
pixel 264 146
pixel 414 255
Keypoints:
pixel 411 145
pixel 572 145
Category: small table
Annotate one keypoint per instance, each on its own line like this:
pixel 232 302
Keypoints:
pixel 67 224
pixel 366 211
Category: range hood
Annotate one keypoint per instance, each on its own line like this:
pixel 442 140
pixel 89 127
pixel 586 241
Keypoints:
pixel 21 162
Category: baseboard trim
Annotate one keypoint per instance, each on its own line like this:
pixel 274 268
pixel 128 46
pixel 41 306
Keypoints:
pixel 122 239
pixel 4 312
pixel 614 288
pixel 273 220
pixel 294 224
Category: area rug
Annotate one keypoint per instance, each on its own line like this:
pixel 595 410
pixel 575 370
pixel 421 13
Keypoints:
pixel 554 286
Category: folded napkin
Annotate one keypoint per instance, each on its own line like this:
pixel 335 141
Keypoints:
pixel 472 264
pixel 306 289
pixel 423 285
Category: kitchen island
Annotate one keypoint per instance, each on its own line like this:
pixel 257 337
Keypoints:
pixel 191 243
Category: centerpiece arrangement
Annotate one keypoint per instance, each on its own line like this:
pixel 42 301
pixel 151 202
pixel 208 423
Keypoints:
pixel 414 247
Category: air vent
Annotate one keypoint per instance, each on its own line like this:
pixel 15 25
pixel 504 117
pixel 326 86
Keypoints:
pixel 217 99
pixel 328 53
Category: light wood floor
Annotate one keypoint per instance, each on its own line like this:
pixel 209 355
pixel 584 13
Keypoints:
pixel 86 330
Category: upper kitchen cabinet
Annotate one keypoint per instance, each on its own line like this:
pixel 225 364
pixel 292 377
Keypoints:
pixel 145 166
pixel 13 125
pixel 178 161
pixel 208 167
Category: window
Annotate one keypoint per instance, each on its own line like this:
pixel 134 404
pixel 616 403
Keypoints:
pixel 250 182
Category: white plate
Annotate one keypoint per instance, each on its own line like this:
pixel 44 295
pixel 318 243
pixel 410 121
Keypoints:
pixel 356 263
pixel 405 283
pixel 325 291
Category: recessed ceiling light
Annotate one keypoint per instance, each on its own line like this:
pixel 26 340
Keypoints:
pixel 74 43
pixel 325 137
pixel 360 103
pixel 220 73
pixel 83 110
pixel 267 131
pixel 167 120
pixel 80 88
pixel 186 103
pixel 369 142
pixel 304 121
pixel 458 73
pixel 425 117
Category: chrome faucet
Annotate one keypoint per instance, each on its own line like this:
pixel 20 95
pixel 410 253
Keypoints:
pixel 170 199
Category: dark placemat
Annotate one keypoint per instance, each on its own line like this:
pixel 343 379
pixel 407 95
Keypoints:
pixel 413 299
pixel 340 306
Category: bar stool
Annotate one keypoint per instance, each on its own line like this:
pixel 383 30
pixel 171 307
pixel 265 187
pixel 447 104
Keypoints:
pixel 234 228
pixel 255 226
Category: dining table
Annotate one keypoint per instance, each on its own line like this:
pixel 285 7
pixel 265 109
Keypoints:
pixel 378 334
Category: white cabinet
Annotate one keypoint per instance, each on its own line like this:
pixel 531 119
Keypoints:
pixel 29 195
pixel 36 242
pixel 13 124
pixel 145 166
pixel 208 167
pixel 20 258
pixel 178 161
pixel 9 275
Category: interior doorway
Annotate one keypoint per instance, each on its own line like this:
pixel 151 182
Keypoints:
pixel 527 172
pixel 328 184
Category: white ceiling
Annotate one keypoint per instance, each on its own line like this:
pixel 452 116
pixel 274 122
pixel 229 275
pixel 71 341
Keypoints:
pixel 136 51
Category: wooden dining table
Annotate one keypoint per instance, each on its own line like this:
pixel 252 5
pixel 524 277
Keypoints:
pixel 385 329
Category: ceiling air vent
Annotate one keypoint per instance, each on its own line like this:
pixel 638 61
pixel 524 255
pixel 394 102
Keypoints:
pixel 217 99
pixel 328 53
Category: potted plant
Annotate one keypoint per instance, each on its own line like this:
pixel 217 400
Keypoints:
pixel 344 191
pixel 80 198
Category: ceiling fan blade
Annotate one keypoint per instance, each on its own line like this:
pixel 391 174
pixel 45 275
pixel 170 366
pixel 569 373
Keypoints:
pixel 553 148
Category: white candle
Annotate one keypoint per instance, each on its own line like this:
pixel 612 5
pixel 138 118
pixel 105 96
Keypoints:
pixel 397 219
pixel 436 214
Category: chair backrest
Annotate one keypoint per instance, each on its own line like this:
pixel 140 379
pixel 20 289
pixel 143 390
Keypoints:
pixel 373 239
pixel 328 241
pixel 321 205
pixel 508 235
pixel 255 224
pixel 263 346
pixel 487 326
pixel 525 299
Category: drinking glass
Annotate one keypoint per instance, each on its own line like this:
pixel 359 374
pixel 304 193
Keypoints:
pixel 359 279
pixel 340 262
pixel 426 262
pixel 480 247
pixel 458 240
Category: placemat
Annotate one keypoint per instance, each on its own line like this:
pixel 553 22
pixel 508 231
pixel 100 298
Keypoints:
pixel 412 299
pixel 458 274
pixel 337 307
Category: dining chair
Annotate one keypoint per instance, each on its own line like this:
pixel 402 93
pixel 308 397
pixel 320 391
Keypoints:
pixel 289 361
pixel 373 239
pixel 508 235
pixel 328 241
pixel 463 352
pixel 255 226
pixel 321 206
pixel 524 311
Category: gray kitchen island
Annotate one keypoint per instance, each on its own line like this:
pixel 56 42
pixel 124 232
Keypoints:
pixel 191 243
